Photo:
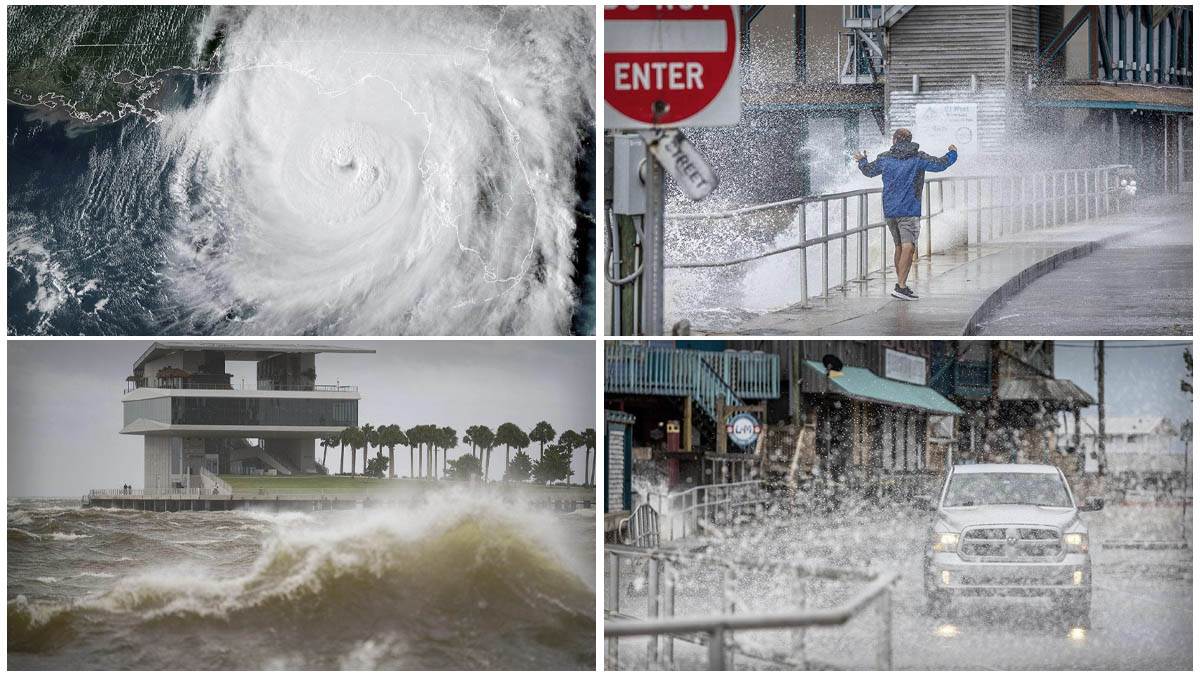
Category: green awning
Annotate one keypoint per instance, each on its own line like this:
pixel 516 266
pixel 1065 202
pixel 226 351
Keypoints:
pixel 863 385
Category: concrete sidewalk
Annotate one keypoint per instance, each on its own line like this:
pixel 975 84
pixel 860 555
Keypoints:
pixel 958 288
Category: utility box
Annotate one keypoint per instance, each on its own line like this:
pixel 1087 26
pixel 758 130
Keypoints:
pixel 629 190
pixel 673 436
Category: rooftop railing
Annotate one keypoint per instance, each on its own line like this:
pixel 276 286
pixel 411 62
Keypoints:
pixel 666 371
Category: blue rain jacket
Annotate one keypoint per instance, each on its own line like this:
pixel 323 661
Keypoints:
pixel 903 168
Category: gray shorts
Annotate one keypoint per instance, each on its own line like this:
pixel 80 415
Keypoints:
pixel 904 230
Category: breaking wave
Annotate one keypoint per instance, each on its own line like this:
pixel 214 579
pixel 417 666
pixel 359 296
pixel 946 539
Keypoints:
pixel 469 588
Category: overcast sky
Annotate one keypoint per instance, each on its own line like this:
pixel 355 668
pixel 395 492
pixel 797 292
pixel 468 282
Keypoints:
pixel 64 400
pixel 1140 378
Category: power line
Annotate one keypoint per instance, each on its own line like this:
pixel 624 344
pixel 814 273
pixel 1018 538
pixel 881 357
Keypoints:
pixel 1161 345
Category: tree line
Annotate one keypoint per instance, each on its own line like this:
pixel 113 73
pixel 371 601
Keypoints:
pixel 427 442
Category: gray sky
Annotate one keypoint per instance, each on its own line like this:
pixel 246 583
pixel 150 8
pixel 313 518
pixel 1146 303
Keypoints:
pixel 1140 378
pixel 64 400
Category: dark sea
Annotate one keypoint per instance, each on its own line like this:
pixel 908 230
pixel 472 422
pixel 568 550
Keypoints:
pixel 455 583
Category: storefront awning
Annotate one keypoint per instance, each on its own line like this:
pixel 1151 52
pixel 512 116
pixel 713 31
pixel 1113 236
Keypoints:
pixel 863 385
pixel 1098 95
pixel 1045 390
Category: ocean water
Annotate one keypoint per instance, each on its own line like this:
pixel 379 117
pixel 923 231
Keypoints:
pixel 301 170
pixel 458 582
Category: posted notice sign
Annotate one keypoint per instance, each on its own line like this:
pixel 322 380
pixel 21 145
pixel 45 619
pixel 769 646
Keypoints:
pixel 671 66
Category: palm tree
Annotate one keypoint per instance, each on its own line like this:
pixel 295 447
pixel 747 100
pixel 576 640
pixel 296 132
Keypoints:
pixel 390 436
pixel 345 438
pixel 573 440
pixel 353 439
pixel 327 443
pixel 589 442
pixel 414 442
pixel 449 442
pixel 368 437
pixel 483 438
pixel 543 433
pixel 512 437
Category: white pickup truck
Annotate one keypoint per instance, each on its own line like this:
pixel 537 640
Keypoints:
pixel 1009 530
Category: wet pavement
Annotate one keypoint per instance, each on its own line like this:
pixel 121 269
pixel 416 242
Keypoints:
pixel 1140 285
pixel 954 286
pixel 1141 615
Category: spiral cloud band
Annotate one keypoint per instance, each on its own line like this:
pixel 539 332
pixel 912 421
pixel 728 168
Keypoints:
pixel 370 171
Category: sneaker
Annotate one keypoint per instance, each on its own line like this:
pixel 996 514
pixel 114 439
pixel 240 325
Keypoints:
pixel 903 293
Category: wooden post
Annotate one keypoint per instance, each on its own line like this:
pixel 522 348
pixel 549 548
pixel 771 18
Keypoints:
pixel 722 438
pixel 687 423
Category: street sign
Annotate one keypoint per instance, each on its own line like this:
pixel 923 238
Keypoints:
pixel 671 65
pixel 681 159
pixel 743 429
pixel 939 125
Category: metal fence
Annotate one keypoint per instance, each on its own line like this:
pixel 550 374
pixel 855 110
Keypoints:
pixel 263 385
pixel 715 631
pixel 684 514
pixel 163 493
pixel 849 230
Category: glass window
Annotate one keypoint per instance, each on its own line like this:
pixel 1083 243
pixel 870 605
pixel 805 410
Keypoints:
pixel 264 411
pixel 1035 489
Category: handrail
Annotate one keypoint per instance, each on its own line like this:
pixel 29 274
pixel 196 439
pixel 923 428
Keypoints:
pixel 649 369
pixel 661 569
pixel 683 510
pixel 706 624
pixel 977 209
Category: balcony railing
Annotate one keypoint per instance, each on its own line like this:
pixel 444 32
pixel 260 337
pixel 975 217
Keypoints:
pixel 262 385
pixel 666 371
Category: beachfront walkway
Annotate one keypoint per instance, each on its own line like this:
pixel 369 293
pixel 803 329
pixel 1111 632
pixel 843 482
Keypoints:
pixel 959 288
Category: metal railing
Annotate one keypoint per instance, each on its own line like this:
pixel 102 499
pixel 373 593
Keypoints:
pixel 263 385
pixel 207 477
pixel 680 514
pixel 983 208
pixel 663 627
pixel 164 493
pixel 666 371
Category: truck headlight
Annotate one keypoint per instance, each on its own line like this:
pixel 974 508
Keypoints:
pixel 945 541
pixel 1076 542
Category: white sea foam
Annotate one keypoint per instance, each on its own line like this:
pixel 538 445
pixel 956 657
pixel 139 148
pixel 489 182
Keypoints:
pixel 383 170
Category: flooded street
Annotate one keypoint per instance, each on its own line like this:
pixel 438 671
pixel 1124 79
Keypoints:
pixel 1141 613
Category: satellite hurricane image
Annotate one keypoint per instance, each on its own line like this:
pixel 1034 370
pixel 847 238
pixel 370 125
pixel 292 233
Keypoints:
pixel 300 170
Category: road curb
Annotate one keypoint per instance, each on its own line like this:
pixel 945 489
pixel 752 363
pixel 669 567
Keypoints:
pixel 1028 275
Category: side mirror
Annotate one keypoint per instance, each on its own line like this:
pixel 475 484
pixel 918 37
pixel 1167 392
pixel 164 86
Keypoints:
pixel 1092 504
pixel 924 503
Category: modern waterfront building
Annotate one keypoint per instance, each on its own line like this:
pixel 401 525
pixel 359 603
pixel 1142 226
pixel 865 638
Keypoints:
pixel 197 422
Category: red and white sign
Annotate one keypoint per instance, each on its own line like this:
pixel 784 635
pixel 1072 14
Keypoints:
pixel 671 66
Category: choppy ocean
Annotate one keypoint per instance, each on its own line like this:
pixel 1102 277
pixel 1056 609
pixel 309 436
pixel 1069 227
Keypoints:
pixel 456 583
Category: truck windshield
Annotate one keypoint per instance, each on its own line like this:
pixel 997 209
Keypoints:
pixel 1034 489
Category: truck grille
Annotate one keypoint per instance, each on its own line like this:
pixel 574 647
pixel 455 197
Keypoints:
pixel 1010 543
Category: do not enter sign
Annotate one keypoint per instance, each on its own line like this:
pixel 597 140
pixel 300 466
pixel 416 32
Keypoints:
pixel 671 66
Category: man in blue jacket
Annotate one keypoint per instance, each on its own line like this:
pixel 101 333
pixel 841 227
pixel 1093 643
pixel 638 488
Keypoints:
pixel 903 168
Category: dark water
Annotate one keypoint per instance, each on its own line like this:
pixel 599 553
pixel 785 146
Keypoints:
pixel 458 583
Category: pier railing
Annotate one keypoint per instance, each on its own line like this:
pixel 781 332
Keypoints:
pixel 165 493
pixel 850 225
pixel 659 573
